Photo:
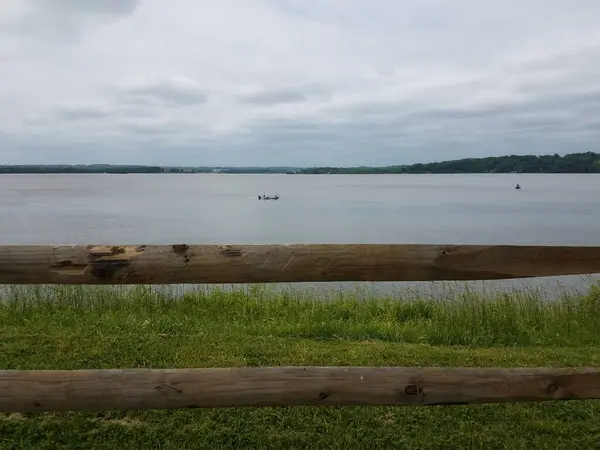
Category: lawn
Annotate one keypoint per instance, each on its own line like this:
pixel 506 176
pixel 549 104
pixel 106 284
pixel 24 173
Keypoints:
pixel 70 327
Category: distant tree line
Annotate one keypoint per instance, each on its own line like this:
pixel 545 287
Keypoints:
pixel 572 163
pixel 124 169
pixel 97 168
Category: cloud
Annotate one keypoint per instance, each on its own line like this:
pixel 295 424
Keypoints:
pixel 74 114
pixel 287 94
pixel 296 82
pixel 171 91
pixel 60 20
pixel 109 7
pixel 273 97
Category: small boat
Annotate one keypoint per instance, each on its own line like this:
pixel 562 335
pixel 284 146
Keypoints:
pixel 267 197
pixel 518 187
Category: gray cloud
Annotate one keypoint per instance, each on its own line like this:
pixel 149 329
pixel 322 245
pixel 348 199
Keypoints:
pixel 168 91
pixel 62 20
pixel 271 97
pixel 77 114
pixel 296 82
pixel 111 7
pixel 289 94
pixel 153 128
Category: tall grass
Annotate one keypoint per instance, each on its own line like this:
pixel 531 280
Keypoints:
pixel 466 317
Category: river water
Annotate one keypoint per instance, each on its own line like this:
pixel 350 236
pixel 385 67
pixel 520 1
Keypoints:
pixel 560 209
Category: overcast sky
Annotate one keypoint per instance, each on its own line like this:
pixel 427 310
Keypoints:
pixel 296 82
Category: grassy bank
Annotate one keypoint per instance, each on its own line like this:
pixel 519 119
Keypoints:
pixel 74 327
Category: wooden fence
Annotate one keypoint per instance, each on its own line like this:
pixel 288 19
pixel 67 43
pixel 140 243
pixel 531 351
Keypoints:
pixel 55 390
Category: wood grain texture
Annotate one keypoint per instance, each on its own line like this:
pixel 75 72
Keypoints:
pixel 181 263
pixel 171 264
pixel 134 389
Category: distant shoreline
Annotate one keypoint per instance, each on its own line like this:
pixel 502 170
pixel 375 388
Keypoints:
pixel 305 174
pixel 571 163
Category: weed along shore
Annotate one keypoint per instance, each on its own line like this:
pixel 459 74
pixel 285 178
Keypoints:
pixel 103 327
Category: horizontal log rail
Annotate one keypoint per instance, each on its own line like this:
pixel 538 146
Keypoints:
pixel 172 264
pixel 134 389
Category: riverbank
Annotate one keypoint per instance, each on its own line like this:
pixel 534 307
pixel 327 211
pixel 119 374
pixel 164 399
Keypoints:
pixel 87 327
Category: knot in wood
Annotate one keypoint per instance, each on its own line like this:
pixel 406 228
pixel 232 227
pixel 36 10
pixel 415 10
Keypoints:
pixel 180 249
pixel 412 389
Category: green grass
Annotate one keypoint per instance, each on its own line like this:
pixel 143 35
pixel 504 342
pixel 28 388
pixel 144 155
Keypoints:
pixel 74 327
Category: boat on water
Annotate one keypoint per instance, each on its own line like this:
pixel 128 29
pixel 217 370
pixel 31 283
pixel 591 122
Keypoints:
pixel 268 197
pixel 517 187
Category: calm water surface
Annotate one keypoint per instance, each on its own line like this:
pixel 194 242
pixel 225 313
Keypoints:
pixel 215 209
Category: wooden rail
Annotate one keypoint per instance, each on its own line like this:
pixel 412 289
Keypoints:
pixel 166 264
pixel 94 390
